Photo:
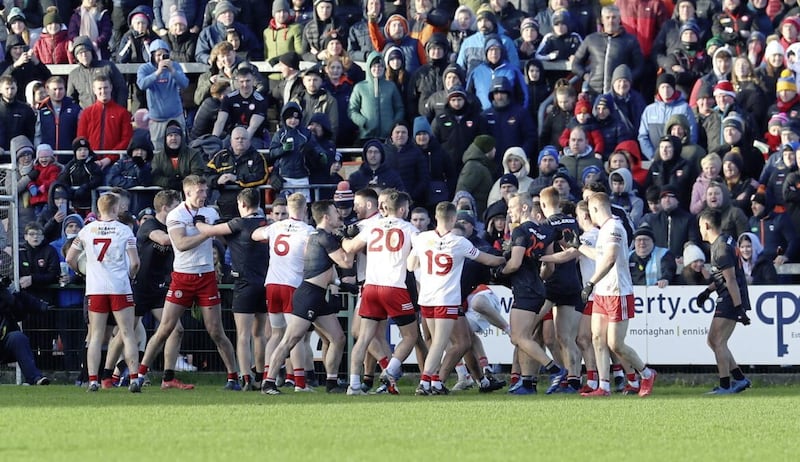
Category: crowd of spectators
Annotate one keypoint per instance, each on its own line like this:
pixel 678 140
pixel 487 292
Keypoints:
pixel 673 106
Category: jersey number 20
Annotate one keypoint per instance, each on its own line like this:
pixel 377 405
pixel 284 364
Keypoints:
pixel 393 239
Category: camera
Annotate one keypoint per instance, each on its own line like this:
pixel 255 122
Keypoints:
pixel 165 56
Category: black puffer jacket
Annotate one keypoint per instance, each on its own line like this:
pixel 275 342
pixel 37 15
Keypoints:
pixel 601 53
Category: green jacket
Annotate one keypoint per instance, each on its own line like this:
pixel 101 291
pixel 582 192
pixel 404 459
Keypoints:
pixel 375 105
pixel 280 41
pixel 476 176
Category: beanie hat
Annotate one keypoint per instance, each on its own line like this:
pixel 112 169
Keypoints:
pixel 343 197
pixel 145 211
pixel 61 192
pixel 715 42
pixel 173 129
pixel 15 14
pixel 529 22
pixel 735 158
pixel 44 150
pixel 484 142
pixel 779 119
pixel 733 120
pixel 774 47
pixel 786 82
pixel 665 78
pixel 80 142
pixel 724 87
pixel 421 124
pixel 290 59
pixel 791 146
pixel 51 17
pixel 759 198
pixel 457 90
pixel 669 191
pixel 645 230
pixel 692 253
pixel 547 151
pixel 509 178
pixel 464 215
pixel 563 175
pixel 622 72
pixel 223 6
pixel 583 106
pixel 561 16
pixel 280 5
pixel 692 26
pixel 177 17
pixel 590 170
pixel 141 16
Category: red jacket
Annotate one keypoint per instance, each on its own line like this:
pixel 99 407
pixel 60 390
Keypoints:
pixel 47 176
pixel 643 19
pixel 52 49
pixel 110 123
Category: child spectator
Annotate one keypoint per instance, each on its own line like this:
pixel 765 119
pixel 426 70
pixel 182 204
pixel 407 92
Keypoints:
pixel 292 146
pixel 133 168
pixel 773 134
pixel 51 48
pixel 624 195
pixel 463 25
pixel 134 48
pixel 538 88
pixel 559 114
pixel 561 44
pixel 530 39
pixel 711 166
pixel 583 118
pixel 694 272
pixel 757 270
pixel 182 41
pixel 48 170
pixel 91 20
pixel 82 174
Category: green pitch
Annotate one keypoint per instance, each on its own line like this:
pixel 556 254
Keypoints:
pixel 66 423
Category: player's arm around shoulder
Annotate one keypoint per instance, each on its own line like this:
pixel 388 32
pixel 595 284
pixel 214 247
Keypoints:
pixel 222 229
pixel 547 267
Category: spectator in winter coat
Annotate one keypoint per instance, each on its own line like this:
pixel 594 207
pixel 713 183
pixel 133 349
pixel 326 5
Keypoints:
pixel 176 160
pixel 669 40
pixel 206 114
pixel 83 174
pixel 458 125
pixel 340 86
pixel 51 48
pixel 38 262
pixel 93 22
pixel 323 23
pixel 164 11
pixel 105 124
pixel 774 230
pixel 16 117
pixel 407 160
pixel 668 102
pixel 741 185
pixel 672 226
pixel 477 172
pixel 240 165
pixel 529 40
pixel 562 43
pixel 623 194
pixel 711 167
pixel 396 34
pixel 429 78
pixel 48 170
pixel 583 118
pixel 359 44
pixel 578 155
pixel 650 265
pixel 734 221
pixel 133 169
pixel 224 14
pixel 601 52
pixel 509 122
pixel 452 76
pixel 374 172
pixel 162 80
pixel 22 150
pixel 282 35
pixel 443 174
pixel 758 269
pixel 643 19
pixel 678 126
pixel 515 162
pixel 463 25
pixel 182 41
pixel 538 88
pixel 688 62
pixel 558 115
pixel 612 129
pixel 733 25
pixel 496 64
pixel 293 148
pixel 22 64
pixel 375 104
pixel 324 172
pixel 315 99
pixel 473 48
pixel 669 168
pixel 79 82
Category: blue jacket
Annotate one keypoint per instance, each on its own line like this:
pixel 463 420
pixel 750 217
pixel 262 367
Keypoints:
pixel 472 49
pixel 293 164
pixel 655 117
pixel 215 33
pixel 163 91
pixel 58 133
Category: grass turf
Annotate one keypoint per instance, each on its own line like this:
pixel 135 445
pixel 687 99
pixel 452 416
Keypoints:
pixel 676 423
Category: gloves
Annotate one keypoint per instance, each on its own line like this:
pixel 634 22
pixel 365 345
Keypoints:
pixel 741 315
pixel 351 231
pixel 323 158
pixel 287 147
pixel 337 157
pixel 199 219
pixel 701 299
pixel 139 161
pixel 587 291
pixel 33 189
pixel 571 239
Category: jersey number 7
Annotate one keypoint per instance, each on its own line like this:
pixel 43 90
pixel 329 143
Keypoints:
pixel 105 243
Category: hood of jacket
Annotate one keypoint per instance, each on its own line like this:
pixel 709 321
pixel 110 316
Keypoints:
pixel 141 140
pixel 392 18
pixel 473 21
pixel 677 119
pixel 627 178
pixel 19 142
pixel 456 69
pixel 757 247
pixel 388 51
pixel 291 105
pixel 142 9
pixel 85 41
pixel 493 40
pixel 473 152
pixel 371 58
pixel 157 44
pixel 466 195
pixel 516 151
pixel 322 119
pixel 70 218
pixel 51 193
pixel 12 41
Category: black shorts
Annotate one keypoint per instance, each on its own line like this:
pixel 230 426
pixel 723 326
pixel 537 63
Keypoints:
pixel 249 297
pixel 726 310
pixel 560 298
pixel 532 304
pixel 308 302
pixel 146 302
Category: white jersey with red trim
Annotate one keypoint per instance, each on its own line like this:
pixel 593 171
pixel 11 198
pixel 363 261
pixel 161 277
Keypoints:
pixel 287 247
pixel 612 237
pixel 388 245
pixel 198 259
pixel 106 245
pixel 585 263
pixel 441 260
pixel 361 259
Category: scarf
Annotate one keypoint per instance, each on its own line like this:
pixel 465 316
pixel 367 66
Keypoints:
pixel 89 19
